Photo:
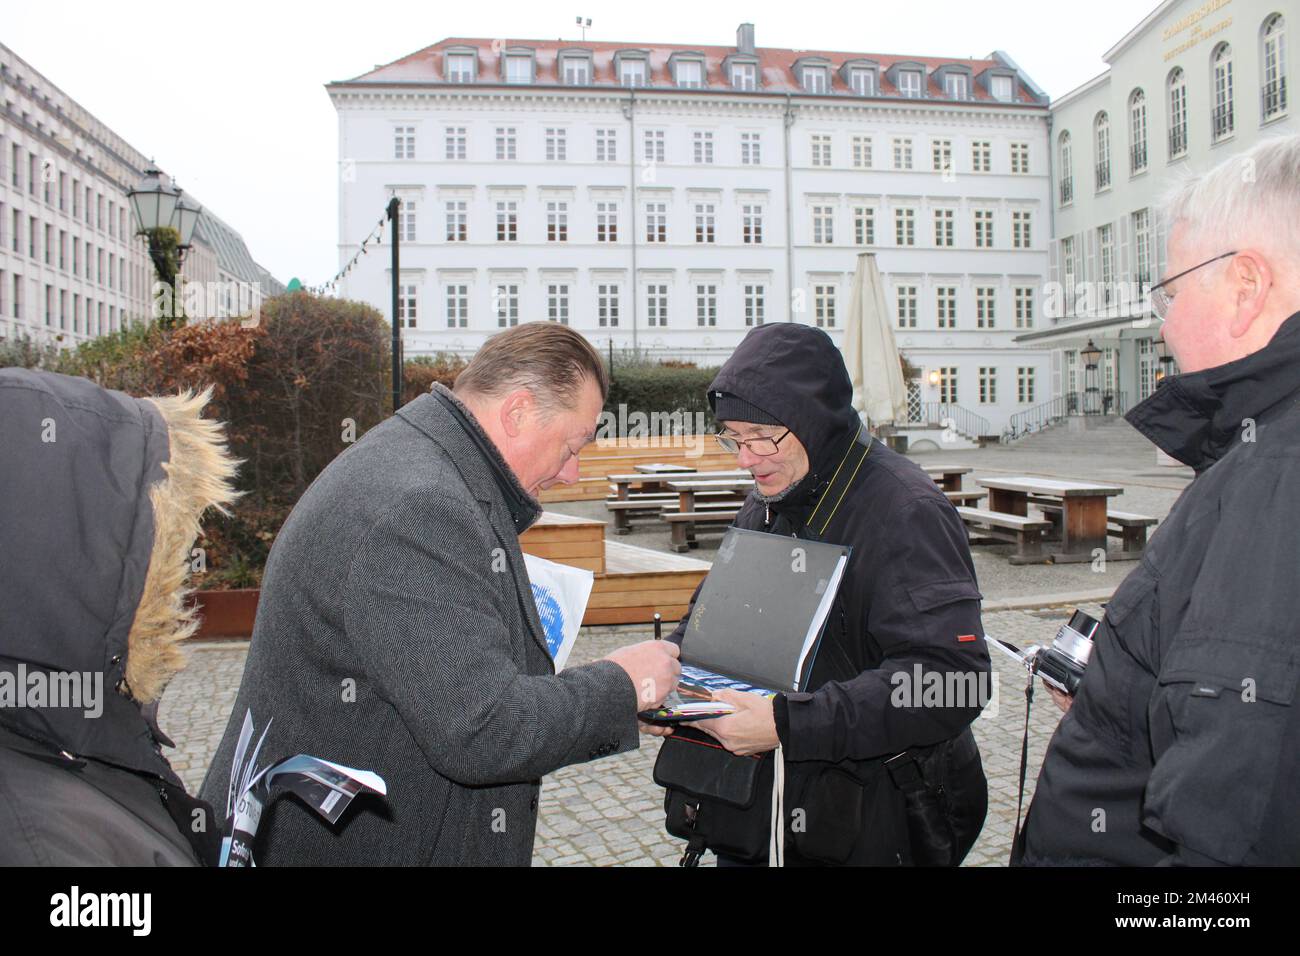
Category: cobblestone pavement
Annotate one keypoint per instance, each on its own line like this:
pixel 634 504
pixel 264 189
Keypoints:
pixel 609 812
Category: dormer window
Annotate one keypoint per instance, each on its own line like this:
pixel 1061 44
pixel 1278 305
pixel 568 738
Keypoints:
pixel 814 79
pixel 632 72
pixel 909 82
pixel 575 70
pixel 460 67
pixel 689 74
pixel 1000 87
pixel 519 68
pixel 862 82
pixel 957 86
pixel 744 76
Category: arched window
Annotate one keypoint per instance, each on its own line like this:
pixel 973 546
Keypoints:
pixel 1177 86
pixel 1101 148
pixel 1137 131
pixel 1067 169
pixel 1273 93
pixel 1221 92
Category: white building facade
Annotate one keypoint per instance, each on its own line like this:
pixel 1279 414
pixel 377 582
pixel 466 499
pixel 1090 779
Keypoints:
pixel 71 265
pixel 1192 84
pixel 668 199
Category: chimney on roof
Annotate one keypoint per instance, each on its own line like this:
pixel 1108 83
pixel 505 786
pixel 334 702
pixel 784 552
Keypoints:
pixel 745 38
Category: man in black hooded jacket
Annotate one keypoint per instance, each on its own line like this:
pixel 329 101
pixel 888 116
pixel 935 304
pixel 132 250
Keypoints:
pixel 908 604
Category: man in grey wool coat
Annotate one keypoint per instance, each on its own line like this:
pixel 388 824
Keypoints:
pixel 397 630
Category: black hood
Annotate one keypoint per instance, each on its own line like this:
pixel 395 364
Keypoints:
pixel 796 373
pixel 1197 416
pixel 83 591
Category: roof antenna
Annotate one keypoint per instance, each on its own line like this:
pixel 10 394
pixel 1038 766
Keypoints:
pixel 585 27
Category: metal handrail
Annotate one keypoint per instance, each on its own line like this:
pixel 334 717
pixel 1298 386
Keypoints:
pixel 1046 414
pixel 1273 98
pixel 962 419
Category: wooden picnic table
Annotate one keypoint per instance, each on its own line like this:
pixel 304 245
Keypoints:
pixel 660 468
pixel 687 488
pixel 948 477
pixel 1083 525
pixel 656 482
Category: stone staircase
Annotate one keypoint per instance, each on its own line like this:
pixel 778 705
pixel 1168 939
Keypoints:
pixel 1097 436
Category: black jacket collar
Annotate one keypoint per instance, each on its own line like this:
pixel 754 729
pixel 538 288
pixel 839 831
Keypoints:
pixel 523 507
pixel 1197 417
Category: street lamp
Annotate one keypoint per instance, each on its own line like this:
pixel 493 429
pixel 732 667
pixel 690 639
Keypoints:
pixel 158 205
pixel 1165 359
pixel 934 376
pixel 1090 355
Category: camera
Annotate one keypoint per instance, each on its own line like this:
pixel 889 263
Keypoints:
pixel 1062 664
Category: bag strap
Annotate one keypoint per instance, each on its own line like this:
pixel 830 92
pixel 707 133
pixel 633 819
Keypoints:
pixel 840 482
pixel 1024 763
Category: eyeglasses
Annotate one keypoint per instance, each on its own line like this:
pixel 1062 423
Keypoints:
pixel 763 447
pixel 1161 299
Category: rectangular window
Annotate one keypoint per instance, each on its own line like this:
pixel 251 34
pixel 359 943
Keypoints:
pixel 1020 158
pixel 1024 297
pixel 904 227
pixel 607 305
pixel 577 71
pixel 631 72
pixel 656 222
pixel 406 220
pixel 861 152
pixel 948 385
pixel 864 226
pixel 455 142
pixel 457 306
pixel 519 69
pixel 903 153
pixel 557 303
pixel 654 145
pixel 505 300
pixel 824 306
pixel 909 83
pixel 755 307
pixel 706 304
pixel 460 68
pixel 981 156
pixel 957 86
pixel 750 149
pixel 407 305
pixel 607 222
pixel 404 142
pixel 862 82
pixel 906 307
pixel 1001 88
pixel 703 146
pixel 1106 250
pixel 823 225
pixel 656 305
pixel 983 229
pixel 457 221
pixel 941 153
pixel 814 79
pixel 946 306
pixel 1142 246
pixel 690 74
pixel 704 222
pixel 751 225
pixel 556 144
pixel 606 146
pixel 985 297
pixel 988 385
pixel 507 221
pixel 1020 230
pixel 507 143
pixel 557 222
pixel 821 149
pixel 1025 385
pixel 943 228
pixel 744 76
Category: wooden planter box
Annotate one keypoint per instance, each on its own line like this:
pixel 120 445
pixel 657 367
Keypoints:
pixel 226 614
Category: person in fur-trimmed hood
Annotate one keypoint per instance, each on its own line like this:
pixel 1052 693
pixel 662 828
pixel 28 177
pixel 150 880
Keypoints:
pixel 101 505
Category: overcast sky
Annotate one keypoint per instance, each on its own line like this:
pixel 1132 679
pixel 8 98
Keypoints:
pixel 229 98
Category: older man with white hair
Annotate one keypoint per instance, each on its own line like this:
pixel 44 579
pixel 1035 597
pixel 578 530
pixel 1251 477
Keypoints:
pixel 1183 743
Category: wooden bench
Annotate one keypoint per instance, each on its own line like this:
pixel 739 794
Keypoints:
pixel 652 503
pixel 1131 529
pixel 968 499
pixel 1025 533
pixel 683 524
